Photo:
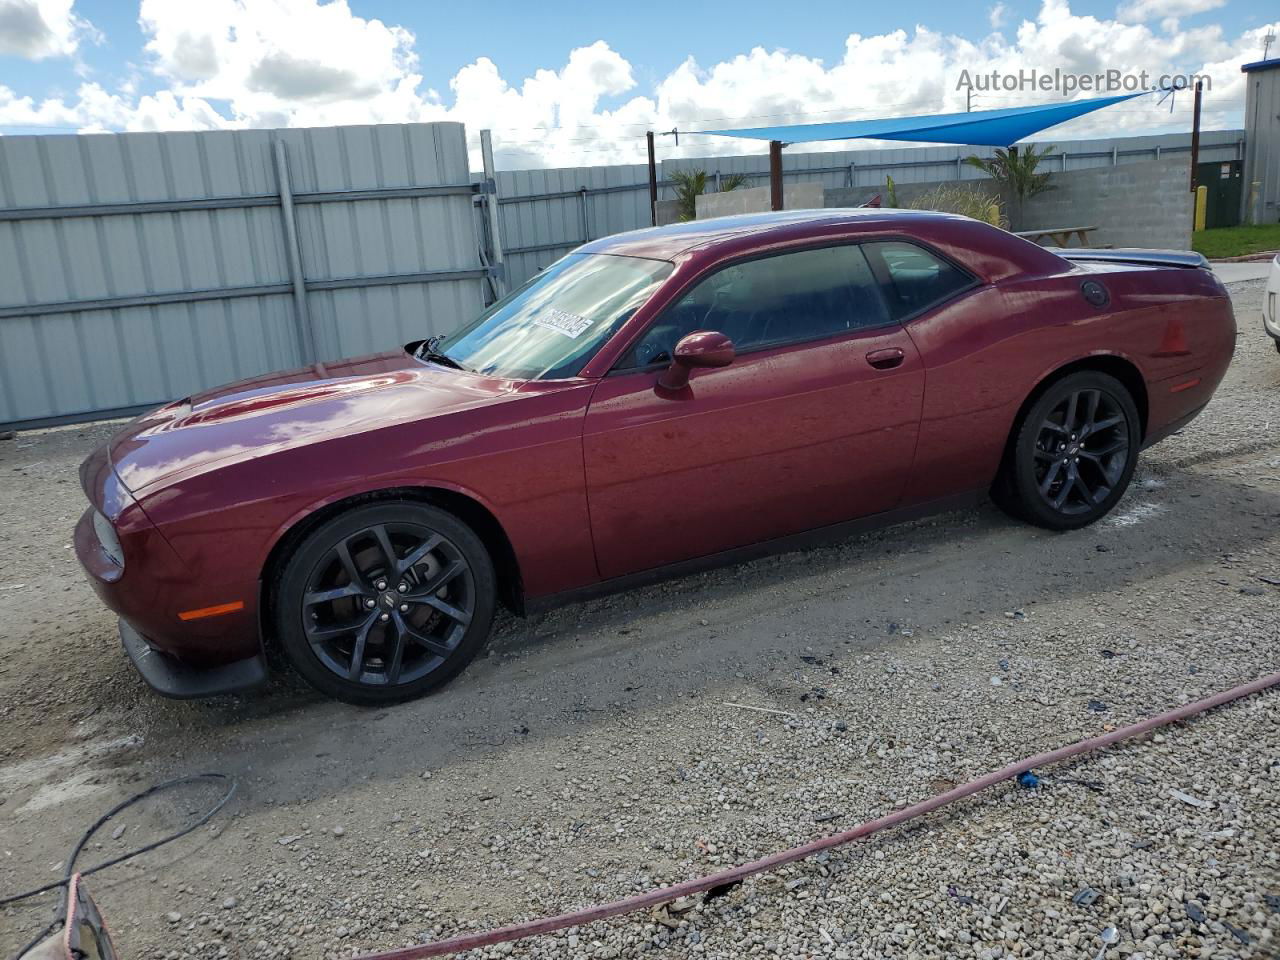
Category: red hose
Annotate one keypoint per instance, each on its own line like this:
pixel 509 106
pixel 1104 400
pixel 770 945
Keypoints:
pixel 530 928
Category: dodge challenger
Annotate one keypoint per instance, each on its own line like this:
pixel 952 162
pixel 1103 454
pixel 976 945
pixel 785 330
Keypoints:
pixel 653 402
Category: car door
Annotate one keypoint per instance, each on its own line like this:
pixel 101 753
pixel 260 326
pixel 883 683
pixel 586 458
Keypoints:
pixel 813 423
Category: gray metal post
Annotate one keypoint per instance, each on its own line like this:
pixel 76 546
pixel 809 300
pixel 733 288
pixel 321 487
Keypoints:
pixel 301 316
pixel 491 210
pixel 582 206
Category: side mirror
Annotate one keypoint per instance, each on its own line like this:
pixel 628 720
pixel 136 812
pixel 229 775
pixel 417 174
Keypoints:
pixel 702 348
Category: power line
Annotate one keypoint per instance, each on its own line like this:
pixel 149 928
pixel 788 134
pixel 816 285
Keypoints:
pixel 645 125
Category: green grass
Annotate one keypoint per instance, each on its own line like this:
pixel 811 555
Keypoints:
pixel 1237 241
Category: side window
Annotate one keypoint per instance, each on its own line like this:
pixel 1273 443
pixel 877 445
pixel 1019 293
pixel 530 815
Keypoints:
pixel 772 301
pixel 915 278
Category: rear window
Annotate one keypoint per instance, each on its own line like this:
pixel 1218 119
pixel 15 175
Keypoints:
pixel 915 278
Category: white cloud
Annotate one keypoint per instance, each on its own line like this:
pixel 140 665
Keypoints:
pixel 36 29
pixel 1138 11
pixel 996 16
pixel 95 110
pixel 302 63
pixel 267 55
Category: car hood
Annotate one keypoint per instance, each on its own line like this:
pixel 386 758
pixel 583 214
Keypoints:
pixel 253 418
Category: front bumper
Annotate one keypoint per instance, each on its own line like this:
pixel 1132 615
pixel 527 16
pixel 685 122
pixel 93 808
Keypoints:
pixel 170 677
pixel 153 587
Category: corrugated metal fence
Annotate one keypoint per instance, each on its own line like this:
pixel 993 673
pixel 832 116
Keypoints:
pixel 545 213
pixel 137 268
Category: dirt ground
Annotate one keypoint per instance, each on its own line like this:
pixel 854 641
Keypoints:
pixel 606 747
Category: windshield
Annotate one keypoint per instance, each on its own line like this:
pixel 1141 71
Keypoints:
pixel 554 324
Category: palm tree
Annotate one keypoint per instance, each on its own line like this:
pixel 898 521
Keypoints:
pixel 691 184
pixel 1015 171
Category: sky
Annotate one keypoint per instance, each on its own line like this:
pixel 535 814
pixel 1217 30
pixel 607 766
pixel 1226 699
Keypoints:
pixel 570 84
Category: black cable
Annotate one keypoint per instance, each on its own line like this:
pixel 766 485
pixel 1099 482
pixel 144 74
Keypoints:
pixel 102 820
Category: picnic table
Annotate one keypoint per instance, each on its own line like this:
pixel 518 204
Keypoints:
pixel 1060 236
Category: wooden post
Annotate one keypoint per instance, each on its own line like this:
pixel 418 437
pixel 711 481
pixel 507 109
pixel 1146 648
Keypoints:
pixel 1195 137
pixel 653 182
pixel 775 174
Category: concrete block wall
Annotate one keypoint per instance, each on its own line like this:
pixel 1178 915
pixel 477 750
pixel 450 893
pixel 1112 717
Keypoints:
pixel 905 192
pixel 795 196
pixel 1132 205
pixel 667 211
pixel 1145 204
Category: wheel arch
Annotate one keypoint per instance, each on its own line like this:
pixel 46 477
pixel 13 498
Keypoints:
pixel 1122 368
pixel 466 508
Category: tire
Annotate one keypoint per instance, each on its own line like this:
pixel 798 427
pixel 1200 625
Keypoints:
pixel 413 619
pixel 1064 474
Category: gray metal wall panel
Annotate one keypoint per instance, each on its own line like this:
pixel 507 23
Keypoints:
pixel 78 362
pixel 1262 160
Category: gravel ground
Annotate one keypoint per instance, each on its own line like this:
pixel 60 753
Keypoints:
pixel 610 746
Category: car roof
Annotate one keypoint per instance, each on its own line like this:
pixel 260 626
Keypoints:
pixel 669 242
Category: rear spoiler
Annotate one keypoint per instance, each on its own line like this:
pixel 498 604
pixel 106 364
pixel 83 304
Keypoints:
pixel 1136 255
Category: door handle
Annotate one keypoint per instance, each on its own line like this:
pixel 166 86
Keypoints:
pixel 886 359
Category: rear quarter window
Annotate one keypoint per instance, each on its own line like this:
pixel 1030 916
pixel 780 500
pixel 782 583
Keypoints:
pixel 914 278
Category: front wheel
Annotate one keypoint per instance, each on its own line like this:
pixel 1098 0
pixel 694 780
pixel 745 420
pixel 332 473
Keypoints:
pixel 1073 453
pixel 385 602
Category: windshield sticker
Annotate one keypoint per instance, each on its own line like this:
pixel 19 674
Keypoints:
pixel 566 324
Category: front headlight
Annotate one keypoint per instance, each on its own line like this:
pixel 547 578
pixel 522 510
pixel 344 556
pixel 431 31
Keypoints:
pixel 107 538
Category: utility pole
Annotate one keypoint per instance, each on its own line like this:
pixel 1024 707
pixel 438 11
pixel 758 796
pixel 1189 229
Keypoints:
pixel 968 99
pixel 1195 136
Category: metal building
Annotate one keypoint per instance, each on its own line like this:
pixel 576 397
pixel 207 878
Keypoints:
pixel 1261 202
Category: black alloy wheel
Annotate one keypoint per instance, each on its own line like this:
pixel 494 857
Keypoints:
pixel 1073 453
pixel 1081 451
pixel 386 602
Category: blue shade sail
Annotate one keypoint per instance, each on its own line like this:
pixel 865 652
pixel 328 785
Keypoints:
pixel 988 128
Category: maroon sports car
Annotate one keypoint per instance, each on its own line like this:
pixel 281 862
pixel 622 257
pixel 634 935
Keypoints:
pixel 652 402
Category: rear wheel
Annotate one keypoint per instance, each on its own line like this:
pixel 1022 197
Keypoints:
pixel 1073 453
pixel 385 602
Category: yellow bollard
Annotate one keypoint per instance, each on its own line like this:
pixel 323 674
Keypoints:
pixel 1202 206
